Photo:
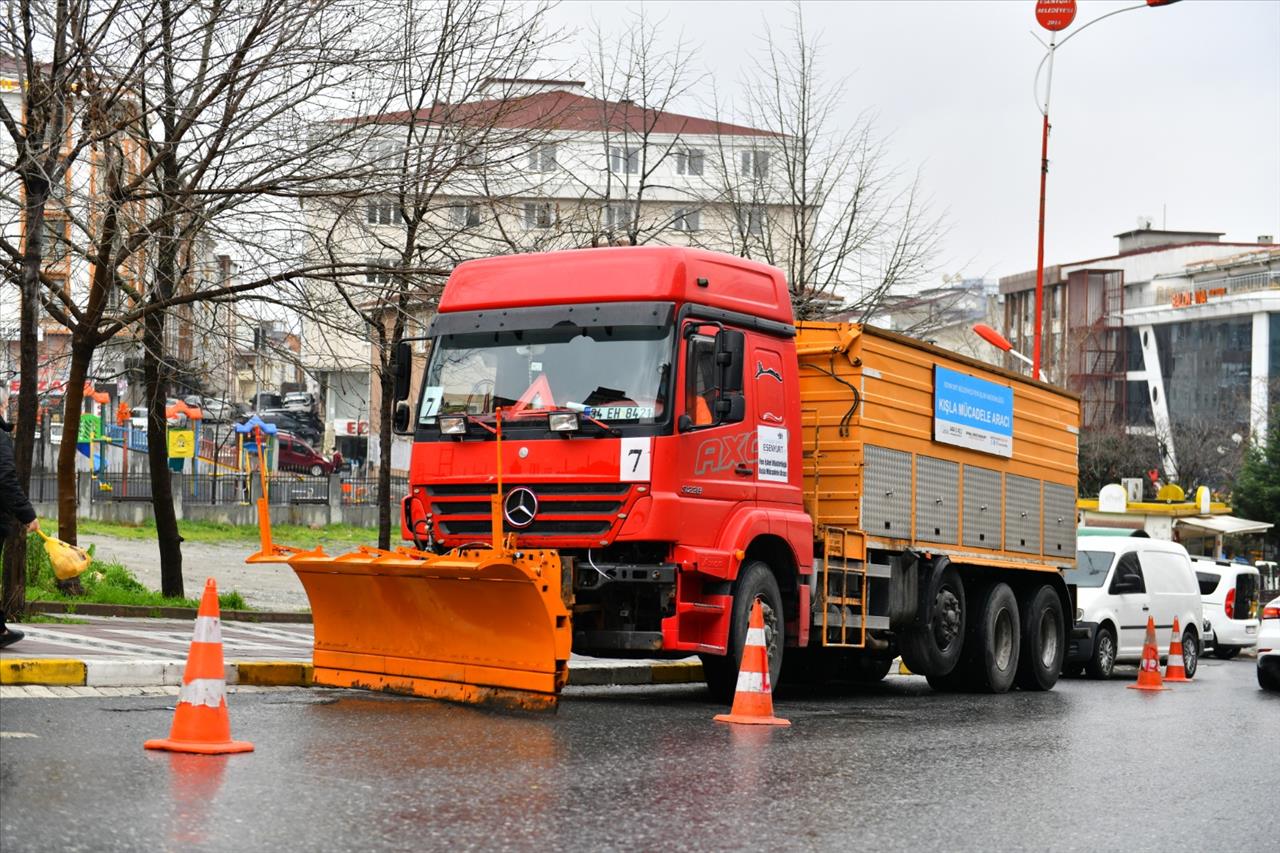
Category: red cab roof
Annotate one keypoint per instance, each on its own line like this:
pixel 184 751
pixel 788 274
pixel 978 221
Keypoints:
pixel 620 274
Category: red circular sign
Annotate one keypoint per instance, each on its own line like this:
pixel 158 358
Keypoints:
pixel 1055 14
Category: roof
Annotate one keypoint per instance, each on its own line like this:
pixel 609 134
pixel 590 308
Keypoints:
pixel 559 110
pixel 1171 233
pixel 1226 524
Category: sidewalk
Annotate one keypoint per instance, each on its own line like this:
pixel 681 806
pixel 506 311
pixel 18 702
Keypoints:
pixel 112 652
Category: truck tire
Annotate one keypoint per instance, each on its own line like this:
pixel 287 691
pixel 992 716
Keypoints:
pixel 870 670
pixel 1044 640
pixel 755 581
pixel 932 645
pixel 998 638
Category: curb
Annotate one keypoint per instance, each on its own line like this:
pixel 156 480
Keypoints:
pixel 156 673
pixel 135 611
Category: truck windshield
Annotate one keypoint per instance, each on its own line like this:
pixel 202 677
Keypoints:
pixel 1091 568
pixel 616 374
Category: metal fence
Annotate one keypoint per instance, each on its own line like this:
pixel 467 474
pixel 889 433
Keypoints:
pixel 44 486
pixel 116 486
pixel 216 489
pixel 285 489
pixel 362 491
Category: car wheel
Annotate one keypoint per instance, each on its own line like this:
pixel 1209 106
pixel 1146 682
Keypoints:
pixel 1044 640
pixel 1268 680
pixel 317 470
pixel 1072 670
pixel 1225 652
pixel 1103 660
pixel 933 644
pixel 1190 652
pixel 755 583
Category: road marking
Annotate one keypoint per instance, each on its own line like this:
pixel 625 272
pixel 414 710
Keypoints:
pixel 17 734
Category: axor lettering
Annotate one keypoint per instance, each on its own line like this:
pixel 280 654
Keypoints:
pixel 721 454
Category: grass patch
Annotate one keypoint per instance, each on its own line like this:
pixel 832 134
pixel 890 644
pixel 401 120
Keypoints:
pixel 105 582
pixel 50 618
pixel 332 535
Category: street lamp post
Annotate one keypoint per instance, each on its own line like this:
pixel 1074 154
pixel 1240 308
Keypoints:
pixel 1055 15
pixel 1000 342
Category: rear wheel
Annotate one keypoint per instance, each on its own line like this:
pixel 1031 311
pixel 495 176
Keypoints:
pixel 998 635
pixel 1103 660
pixel 933 644
pixel 1225 652
pixel 1043 642
pixel 1190 652
pixel 755 583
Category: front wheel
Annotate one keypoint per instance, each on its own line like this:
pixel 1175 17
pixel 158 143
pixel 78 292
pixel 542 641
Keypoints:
pixel 316 470
pixel 1103 660
pixel 755 583
pixel 1190 652
pixel 1225 652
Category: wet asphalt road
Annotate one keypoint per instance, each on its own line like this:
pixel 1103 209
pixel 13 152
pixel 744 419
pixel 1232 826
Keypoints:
pixel 1088 766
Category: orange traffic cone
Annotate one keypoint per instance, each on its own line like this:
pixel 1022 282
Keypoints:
pixel 1176 669
pixel 1149 669
pixel 753 701
pixel 200 723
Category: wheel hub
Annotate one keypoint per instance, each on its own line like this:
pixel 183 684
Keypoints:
pixel 946 618
pixel 1048 640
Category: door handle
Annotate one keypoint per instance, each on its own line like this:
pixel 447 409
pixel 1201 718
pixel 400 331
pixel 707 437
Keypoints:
pixel 742 470
pixel 1145 608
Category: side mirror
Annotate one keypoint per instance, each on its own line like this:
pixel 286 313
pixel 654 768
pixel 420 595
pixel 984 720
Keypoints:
pixel 731 409
pixel 729 351
pixel 401 417
pixel 1121 586
pixel 402 364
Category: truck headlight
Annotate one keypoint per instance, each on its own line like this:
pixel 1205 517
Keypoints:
pixel 563 421
pixel 453 425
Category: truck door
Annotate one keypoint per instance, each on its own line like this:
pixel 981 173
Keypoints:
pixel 769 389
pixel 1132 603
pixel 716 456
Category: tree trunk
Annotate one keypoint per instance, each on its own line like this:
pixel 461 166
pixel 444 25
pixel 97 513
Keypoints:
pixel 386 379
pixel 14 595
pixel 155 380
pixel 73 403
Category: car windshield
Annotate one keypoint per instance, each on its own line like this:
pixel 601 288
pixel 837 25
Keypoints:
pixel 1091 568
pixel 617 374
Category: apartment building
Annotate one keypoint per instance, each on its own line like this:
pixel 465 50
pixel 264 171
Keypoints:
pixel 534 165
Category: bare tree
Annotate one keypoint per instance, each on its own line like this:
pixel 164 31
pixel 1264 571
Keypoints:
pixel 820 200
pixel 441 165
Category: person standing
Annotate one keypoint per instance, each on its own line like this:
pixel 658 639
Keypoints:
pixel 14 509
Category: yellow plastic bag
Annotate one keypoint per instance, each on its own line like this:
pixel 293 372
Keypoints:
pixel 68 560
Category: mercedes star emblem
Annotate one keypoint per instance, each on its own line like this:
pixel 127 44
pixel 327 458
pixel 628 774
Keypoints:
pixel 520 506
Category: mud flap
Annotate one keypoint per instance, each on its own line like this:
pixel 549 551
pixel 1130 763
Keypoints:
pixel 478 625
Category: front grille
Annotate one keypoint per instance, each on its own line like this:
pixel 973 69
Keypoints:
pixel 564 509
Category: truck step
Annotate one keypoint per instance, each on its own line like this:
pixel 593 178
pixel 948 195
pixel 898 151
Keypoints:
pixel 699 607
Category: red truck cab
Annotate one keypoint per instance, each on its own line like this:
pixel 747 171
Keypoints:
pixel 650 418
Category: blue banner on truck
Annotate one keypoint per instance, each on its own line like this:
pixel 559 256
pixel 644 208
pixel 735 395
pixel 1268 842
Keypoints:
pixel 971 412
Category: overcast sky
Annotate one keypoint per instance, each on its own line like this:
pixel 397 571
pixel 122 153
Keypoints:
pixel 1171 109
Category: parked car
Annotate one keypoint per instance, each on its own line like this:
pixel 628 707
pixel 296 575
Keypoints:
pixel 302 401
pixel 296 455
pixel 1120 581
pixel 217 411
pixel 265 400
pixel 1229 592
pixel 1269 646
pixel 295 423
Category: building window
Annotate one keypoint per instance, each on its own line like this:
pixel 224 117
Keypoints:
pixel 619 215
pixel 466 215
pixel 687 219
pixel 755 163
pixel 538 214
pixel 470 156
pixel 689 162
pixel 57 234
pixel 382 211
pixel 378 271
pixel 542 158
pixel 751 221
pixel 624 161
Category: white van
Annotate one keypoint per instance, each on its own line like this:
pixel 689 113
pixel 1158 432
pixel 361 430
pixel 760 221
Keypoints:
pixel 1229 592
pixel 1121 581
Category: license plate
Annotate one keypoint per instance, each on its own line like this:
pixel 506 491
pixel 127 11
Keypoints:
pixel 1251 629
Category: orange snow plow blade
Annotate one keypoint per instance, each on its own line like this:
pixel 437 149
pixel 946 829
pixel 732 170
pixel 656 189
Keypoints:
pixel 478 625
